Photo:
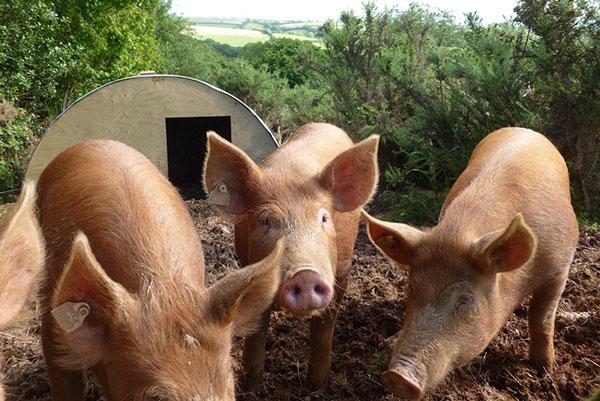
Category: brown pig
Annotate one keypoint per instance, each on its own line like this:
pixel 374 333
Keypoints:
pixel 125 293
pixel 308 192
pixel 21 256
pixel 507 230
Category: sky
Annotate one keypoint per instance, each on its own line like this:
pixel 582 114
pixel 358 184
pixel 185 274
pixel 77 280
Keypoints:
pixel 321 10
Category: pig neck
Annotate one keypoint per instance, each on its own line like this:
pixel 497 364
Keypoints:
pixel 482 207
pixel 307 151
pixel 138 227
pixel 165 246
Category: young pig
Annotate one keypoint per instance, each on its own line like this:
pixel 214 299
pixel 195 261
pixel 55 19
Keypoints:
pixel 308 192
pixel 125 292
pixel 21 256
pixel 506 231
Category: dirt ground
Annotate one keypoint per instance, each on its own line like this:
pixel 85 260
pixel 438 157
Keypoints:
pixel 373 311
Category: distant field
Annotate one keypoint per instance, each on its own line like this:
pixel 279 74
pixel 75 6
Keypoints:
pixel 239 33
pixel 205 30
pixel 231 36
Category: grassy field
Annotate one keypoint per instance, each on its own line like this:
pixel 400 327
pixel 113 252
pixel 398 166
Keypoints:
pixel 231 36
pixel 238 33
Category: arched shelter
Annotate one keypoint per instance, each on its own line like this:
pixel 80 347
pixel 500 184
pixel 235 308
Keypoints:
pixel 165 117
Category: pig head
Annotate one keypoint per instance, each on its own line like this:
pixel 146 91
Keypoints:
pixel 455 304
pixel 310 199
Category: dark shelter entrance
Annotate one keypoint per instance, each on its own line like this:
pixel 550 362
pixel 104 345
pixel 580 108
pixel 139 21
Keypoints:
pixel 186 149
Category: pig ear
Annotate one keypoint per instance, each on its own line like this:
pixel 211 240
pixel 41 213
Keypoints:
pixel 231 179
pixel 398 241
pixel 86 304
pixel 241 297
pixel 21 254
pixel 507 249
pixel 352 176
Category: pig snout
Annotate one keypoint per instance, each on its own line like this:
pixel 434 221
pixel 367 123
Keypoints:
pixel 402 379
pixel 305 291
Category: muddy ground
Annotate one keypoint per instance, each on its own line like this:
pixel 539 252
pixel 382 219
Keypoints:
pixel 373 311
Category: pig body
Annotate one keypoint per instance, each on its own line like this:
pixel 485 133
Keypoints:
pixel 308 192
pixel 126 270
pixel 507 231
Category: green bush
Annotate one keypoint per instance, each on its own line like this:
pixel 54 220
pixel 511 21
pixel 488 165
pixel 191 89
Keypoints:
pixel 15 137
pixel 433 89
pixel 287 58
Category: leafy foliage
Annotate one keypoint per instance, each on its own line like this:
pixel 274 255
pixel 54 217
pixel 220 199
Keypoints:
pixel 433 88
pixel 565 52
pixel 287 58
pixel 15 136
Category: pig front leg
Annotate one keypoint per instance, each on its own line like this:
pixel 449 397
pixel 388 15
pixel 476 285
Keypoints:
pixel 542 312
pixel 321 340
pixel 321 334
pixel 253 358
pixel 66 385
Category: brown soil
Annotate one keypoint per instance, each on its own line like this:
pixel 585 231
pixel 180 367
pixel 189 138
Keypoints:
pixel 372 311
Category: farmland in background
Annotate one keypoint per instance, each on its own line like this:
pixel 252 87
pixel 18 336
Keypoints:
pixel 240 32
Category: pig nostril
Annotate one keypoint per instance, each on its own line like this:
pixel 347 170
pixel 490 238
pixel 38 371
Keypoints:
pixel 318 289
pixel 296 291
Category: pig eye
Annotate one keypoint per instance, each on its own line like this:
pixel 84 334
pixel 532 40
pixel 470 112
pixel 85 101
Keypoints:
pixel 267 221
pixel 464 303
pixel 324 216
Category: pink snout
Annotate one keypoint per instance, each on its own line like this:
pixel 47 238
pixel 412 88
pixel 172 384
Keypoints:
pixel 402 381
pixel 305 291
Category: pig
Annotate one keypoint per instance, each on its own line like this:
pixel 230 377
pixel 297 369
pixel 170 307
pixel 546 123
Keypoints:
pixel 506 231
pixel 308 192
pixel 125 292
pixel 21 256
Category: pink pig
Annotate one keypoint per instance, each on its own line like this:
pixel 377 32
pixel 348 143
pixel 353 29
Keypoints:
pixel 507 231
pixel 308 192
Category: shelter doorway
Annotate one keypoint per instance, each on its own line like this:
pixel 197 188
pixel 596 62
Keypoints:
pixel 186 149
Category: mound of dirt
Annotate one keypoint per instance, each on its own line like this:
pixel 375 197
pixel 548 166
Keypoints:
pixel 371 312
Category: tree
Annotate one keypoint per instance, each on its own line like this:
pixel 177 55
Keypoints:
pixel 288 58
pixel 565 49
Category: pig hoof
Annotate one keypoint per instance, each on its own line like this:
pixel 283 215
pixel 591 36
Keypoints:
pixel 250 381
pixel 542 360
pixel 316 382
pixel 401 385
pixel 391 340
pixel 543 368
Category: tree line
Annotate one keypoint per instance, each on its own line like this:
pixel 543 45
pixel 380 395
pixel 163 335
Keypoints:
pixel 431 86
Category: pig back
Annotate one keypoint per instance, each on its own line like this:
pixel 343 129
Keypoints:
pixel 516 170
pixel 136 222
pixel 308 150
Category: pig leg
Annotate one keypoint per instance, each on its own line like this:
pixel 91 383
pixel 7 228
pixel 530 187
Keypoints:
pixel 321 339
pixel 67 385
pixel 321 334
pixel 542 311
pixel 253 358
